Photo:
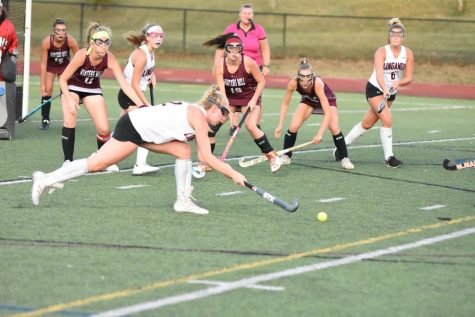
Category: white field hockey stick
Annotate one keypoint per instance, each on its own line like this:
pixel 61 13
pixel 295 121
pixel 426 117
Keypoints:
pixel 383 102
pixel 460 164
pixel 292 207
pixel 37 108
pixel 263 158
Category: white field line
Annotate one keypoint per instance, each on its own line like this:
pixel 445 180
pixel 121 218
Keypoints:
pixel 237 192
pixel 263 287
pixel 340 111
pixel 20 181
pixel 251 281
pixel 131 186
pixel 331 200
pixel 432 207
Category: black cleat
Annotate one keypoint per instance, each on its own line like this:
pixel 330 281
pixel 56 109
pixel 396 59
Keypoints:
pixel 393 162
pixel 44 124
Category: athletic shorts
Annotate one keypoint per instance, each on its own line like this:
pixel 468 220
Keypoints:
pixel 373 91
pixel 317 108
pixel 124 101
pixel 83 94
pixel 125 131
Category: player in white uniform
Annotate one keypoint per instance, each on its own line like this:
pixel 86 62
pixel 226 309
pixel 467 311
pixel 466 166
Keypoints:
pixel 139 74
pixel 390 63
pixel 166 128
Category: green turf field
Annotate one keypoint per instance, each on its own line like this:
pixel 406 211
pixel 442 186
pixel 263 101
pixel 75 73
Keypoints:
pixel 93 247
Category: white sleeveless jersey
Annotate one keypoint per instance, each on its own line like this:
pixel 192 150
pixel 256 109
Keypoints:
pixel 164 123
pixel 147 72
pixel 392 69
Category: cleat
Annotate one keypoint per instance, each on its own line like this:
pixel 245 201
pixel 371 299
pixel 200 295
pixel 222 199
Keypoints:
pixel 112 169
pixel 144 169
pixel 274 161
pixel 184 203
pixel 39 185
pixel 346 163
pixel 286 160
pixel 336 155
pixel 44 125
pixel 393 162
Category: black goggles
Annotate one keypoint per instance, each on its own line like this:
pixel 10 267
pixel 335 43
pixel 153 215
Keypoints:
pixel 100 42
pixel 234 47
pixel 303 77
pixel 224 110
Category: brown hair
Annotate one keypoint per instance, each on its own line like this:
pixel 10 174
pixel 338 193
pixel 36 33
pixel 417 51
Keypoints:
pixel 304 64
pixel 137 39
pixel 96 27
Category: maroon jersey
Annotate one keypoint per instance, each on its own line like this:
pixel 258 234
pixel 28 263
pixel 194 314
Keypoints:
pixel 240 86
pixel 87 78
pixel 309 97
pixel 58 57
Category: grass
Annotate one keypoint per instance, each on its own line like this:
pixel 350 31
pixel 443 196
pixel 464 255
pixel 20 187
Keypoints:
pixel 92 238
pixel 343 47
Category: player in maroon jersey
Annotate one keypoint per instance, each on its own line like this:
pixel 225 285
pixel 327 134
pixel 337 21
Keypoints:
pixel 80 83
pixel 55 56
pixel 242 80
pixel 317 98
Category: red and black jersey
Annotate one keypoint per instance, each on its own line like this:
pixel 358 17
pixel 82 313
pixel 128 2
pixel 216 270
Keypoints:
pixel 240 86
pixel 309 97
pixel 87 77
pixel 58 57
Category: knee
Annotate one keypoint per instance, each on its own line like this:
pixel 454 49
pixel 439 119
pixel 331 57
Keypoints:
pixel 184 153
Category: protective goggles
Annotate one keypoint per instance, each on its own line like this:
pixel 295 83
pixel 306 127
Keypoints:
pixel 224 110
pixel 155 35
pixel 57 31
pixel 101 42
pixel 233 47
pixel 305 77
pixel 399 34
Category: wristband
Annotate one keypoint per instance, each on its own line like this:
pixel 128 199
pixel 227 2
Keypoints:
pixel 266 65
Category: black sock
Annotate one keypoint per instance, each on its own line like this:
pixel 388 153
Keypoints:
pixel 45 110
pixel 289 141
pixel 340 144
pixel 67 138
pixel 264 145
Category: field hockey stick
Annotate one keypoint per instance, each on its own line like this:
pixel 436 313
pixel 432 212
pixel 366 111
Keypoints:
pixel 37 108
pixel 459 165
pixel 152 99
pixel 233 137
pixel 263 158
pixel 292 207
pixel 383 102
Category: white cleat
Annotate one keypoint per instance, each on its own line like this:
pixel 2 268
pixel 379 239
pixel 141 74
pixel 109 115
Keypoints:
pixel 39 185
pixel 286 160
pixel 185 204
pixel 144 169
pixel 346 164
pixel 112 169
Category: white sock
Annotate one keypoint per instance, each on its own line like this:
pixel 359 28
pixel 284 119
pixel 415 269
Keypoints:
pixel 181 171
pixel 69 171
pixel 386 135
pixel 142 154
pixel 188 176
pixel 355 133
